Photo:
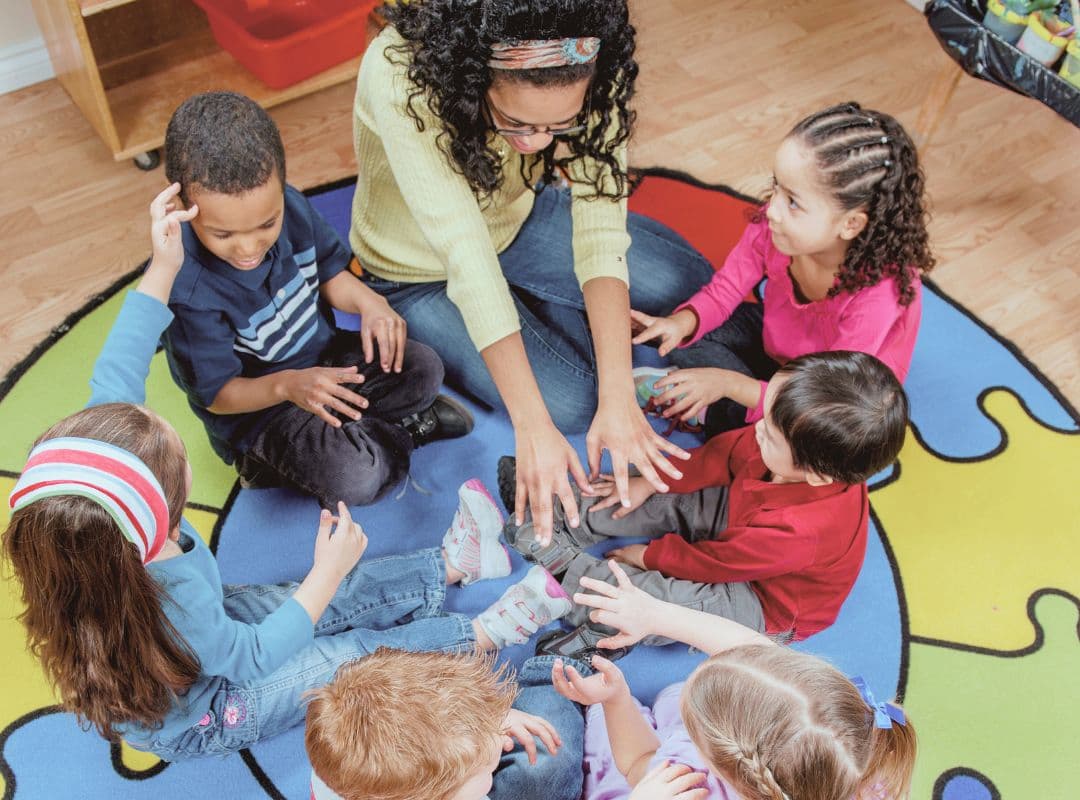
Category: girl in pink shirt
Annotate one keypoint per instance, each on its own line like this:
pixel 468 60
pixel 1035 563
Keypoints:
pixel 842 242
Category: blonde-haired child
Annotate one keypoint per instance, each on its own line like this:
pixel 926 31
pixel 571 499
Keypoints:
pixel 398 725
pixel 756 719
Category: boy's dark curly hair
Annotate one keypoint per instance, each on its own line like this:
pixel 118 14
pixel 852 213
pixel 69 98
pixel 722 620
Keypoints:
pixel 868 161
pixel 224 142
pixel 448 45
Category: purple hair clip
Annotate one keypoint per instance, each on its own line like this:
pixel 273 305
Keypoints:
pixel 885 714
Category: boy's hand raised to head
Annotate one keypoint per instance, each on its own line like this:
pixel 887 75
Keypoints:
pixel 321 390
pixel 166 243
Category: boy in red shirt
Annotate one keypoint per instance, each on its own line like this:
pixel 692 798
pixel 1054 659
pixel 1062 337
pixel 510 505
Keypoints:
pixel 769 521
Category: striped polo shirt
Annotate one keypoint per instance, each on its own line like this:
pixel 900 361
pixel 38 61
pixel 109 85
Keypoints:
pixel 248 323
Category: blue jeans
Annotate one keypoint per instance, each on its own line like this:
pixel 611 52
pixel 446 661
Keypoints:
pixel 388 602
pixel 539 268
pixel 553 777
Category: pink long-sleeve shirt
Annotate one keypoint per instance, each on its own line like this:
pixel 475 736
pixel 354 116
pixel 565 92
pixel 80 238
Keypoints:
pixel 870 320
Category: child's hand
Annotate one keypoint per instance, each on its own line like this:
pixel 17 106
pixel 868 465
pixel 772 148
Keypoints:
pixel 640 491
pixel 337 552
pixel 632 554
pixel 690 391
pixel 623 606
pixel 165 218
pixel 671 331
pixel 320 389
pixel 166 243
pixel 524 727
pixel 605 685
pixel 380 323
pixel 669 781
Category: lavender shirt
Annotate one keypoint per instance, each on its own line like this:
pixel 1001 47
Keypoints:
pixel 603 781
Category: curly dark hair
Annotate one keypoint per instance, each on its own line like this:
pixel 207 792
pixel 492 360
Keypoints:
pixel 224 142
pixel 448 45
pixel 868 161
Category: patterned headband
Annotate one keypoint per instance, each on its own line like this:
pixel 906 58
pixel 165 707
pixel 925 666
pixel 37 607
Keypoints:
pixel 541 53
pixel 114 478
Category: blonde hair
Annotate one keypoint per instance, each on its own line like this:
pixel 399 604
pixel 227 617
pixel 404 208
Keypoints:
pixel 783 725
pixel 396 725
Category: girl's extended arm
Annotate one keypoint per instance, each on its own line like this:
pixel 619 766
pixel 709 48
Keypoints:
pixel 637 614
pixel 633 741
pixel 121 369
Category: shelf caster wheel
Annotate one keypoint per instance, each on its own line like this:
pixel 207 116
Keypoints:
pixel 148 160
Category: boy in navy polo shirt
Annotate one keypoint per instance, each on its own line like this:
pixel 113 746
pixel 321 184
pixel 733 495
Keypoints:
pixel 284 394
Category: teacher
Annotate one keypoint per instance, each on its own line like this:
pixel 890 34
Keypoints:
pixel 470 120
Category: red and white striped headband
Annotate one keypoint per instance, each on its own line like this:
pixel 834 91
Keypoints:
pixel 542 53
pixel 114 478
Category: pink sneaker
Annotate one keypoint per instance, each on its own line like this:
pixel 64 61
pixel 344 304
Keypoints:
pixel 472 541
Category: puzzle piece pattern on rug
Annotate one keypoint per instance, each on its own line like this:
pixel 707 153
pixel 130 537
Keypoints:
pixel 974 540
pixel 1013 718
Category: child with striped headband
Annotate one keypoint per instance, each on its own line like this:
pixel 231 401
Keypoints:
pixel 125 606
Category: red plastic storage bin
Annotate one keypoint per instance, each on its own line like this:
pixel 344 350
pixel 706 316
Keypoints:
pixel 284 41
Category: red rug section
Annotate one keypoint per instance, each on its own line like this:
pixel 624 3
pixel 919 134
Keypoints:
pixel 709 218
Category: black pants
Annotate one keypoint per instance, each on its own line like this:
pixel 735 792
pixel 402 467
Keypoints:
pixel 360 461
pixel 736 345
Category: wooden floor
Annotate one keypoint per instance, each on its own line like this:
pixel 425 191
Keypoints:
pixel 721 82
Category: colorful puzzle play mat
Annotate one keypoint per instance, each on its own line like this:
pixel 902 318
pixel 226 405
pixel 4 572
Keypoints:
pixel 967 606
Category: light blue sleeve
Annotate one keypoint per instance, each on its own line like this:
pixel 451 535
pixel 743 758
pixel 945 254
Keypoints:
pixel 231 648
pixel 240 651
pixel 124 362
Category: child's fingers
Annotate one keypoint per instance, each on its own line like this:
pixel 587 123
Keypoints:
pixel 687 780
pixel 521 495
pixel 401 336
pixel 558 680
pixel 345 519
pixel 320 411
pixel 157 205
pixel 594 601
pixel 608 501
pixel 616 641
pixel 620 575
pixel 525 738
pixel 607 669
pixel 600 587
pixel 326 522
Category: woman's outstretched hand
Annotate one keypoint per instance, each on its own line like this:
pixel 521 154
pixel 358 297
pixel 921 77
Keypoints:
pixel 623 430
pixel 544 458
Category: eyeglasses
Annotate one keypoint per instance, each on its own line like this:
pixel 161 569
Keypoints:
pixel 572 130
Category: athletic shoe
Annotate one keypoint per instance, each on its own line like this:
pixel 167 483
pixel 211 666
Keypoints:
pixel 579 643
pixel 472 541
pixel 525 608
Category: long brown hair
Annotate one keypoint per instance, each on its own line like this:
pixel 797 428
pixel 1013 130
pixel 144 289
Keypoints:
pixel 93 613
pixel 784 725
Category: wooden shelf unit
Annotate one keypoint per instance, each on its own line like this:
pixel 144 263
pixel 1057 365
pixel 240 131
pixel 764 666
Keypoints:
pixel 127 64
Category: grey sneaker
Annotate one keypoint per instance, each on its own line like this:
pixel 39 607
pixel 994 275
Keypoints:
pixel 580 644
pixel 557 554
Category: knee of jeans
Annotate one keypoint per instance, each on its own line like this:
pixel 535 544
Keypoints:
pixel 572 411
pixel 424 368
pixel 361 488
pixel 560 775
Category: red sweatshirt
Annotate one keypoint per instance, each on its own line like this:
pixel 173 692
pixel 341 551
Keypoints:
pixel 799 546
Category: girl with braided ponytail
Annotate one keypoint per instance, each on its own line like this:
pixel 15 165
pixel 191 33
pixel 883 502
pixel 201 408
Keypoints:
pixel 842 242
pixel 755 721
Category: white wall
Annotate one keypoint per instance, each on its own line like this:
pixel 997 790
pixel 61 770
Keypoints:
pixel 23 58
